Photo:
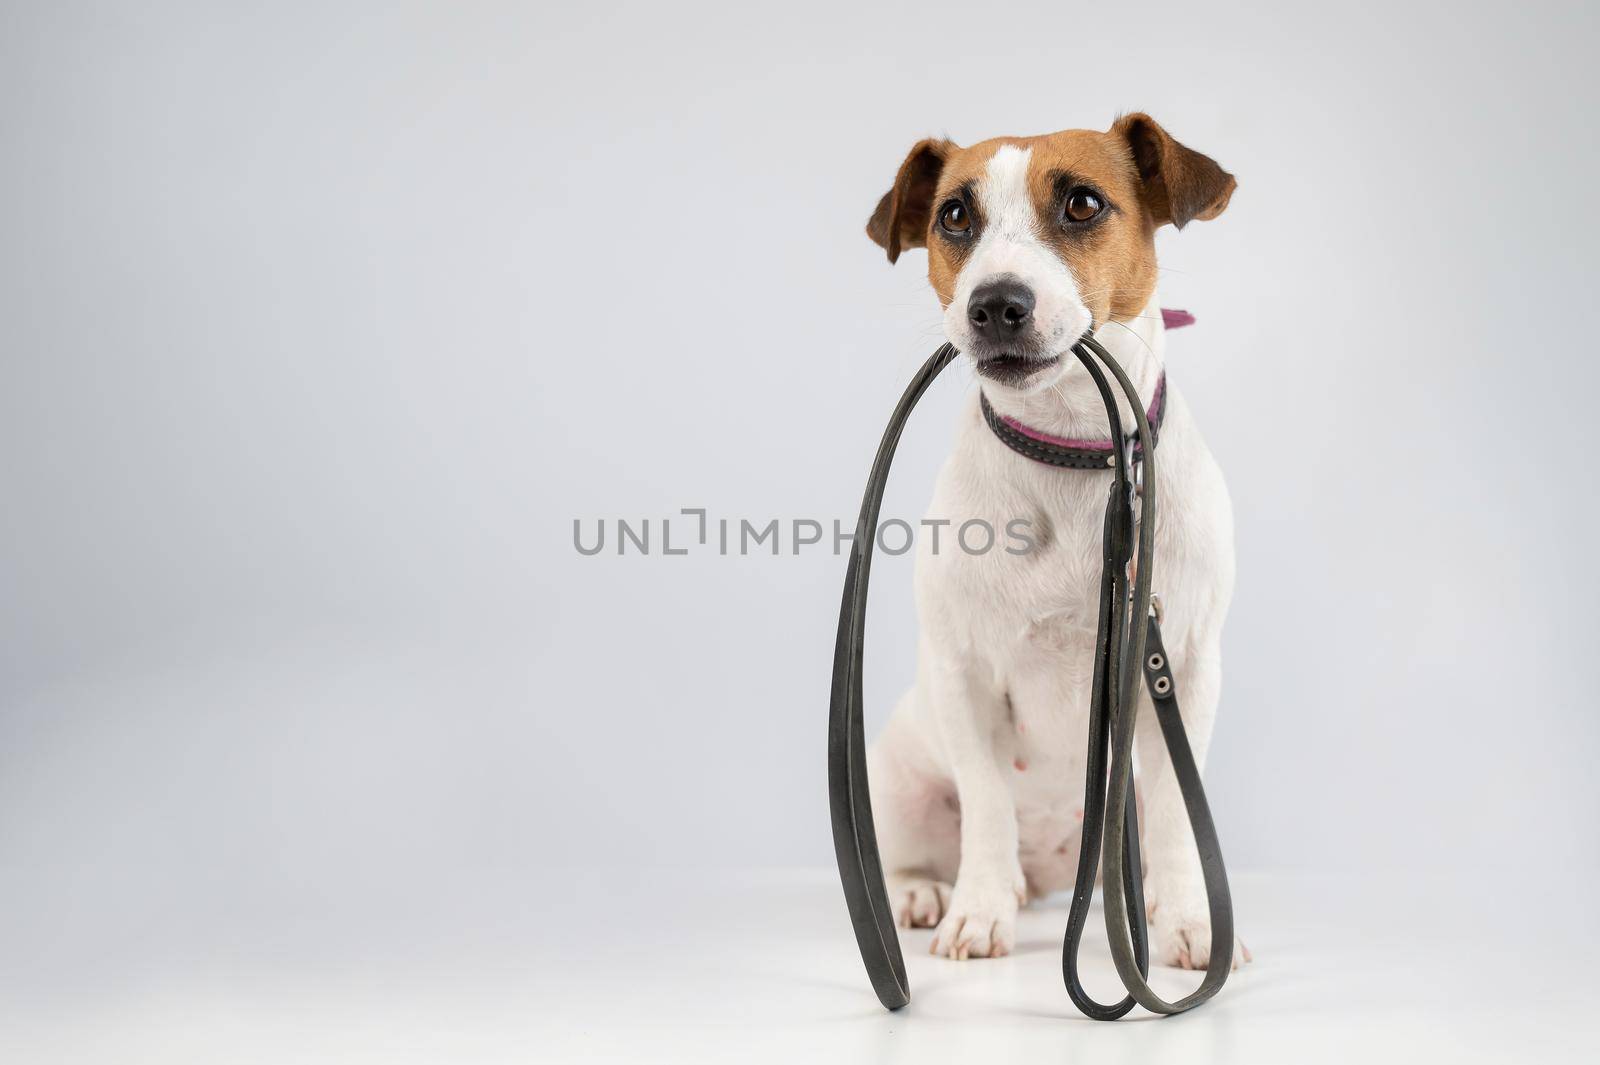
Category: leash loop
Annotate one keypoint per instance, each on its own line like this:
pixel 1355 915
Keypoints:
pixel 1124 658
pixel 1129 623
pixel 855 843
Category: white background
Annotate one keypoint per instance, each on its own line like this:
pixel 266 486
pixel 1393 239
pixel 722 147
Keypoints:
pixel 321 323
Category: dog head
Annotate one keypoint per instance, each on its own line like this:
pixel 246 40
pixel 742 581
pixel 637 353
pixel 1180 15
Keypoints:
pixel 1032 241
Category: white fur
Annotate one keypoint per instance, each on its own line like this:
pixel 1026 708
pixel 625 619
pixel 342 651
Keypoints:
pixel 978 778
pixel 1010 243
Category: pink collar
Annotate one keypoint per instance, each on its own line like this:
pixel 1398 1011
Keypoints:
pixel 1103 447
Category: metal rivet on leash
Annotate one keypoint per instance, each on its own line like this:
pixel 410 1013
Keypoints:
pixel 1130 621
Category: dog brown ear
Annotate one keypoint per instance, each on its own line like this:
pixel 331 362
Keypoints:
pixel 1180 184
pixel 901 220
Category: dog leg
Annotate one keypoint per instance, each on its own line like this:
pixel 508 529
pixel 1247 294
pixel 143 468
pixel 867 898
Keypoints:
pixel 1175 894
pixel 918 822
pixel 981 921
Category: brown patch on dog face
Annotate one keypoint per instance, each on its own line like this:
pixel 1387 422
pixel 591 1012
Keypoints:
pixel 1113 255
pixel 964 170
pixel 1139 175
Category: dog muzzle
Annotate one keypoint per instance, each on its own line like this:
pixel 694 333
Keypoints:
pixel 1128 651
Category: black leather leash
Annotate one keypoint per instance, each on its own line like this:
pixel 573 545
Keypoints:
pixel 1125 651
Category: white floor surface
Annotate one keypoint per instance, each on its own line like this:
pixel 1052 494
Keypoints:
pixel 760 967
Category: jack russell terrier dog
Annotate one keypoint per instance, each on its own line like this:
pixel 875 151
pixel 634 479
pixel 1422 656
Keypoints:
pixel 978 777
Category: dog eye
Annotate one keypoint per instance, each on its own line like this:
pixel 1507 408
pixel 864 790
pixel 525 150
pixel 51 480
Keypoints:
pixel 1082 205
pixel 953 218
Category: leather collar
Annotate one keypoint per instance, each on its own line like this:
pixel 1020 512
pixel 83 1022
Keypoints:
pixel 1070 454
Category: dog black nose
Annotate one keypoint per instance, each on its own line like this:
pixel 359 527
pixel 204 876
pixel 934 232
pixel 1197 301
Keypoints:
pixel 1000 308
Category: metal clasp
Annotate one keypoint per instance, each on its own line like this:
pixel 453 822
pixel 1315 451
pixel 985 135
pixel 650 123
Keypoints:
pixel 1135 507
pixel 1130 446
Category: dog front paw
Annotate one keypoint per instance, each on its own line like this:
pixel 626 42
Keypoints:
pixel 1183 938
pixel 979 923
pixel 918 901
